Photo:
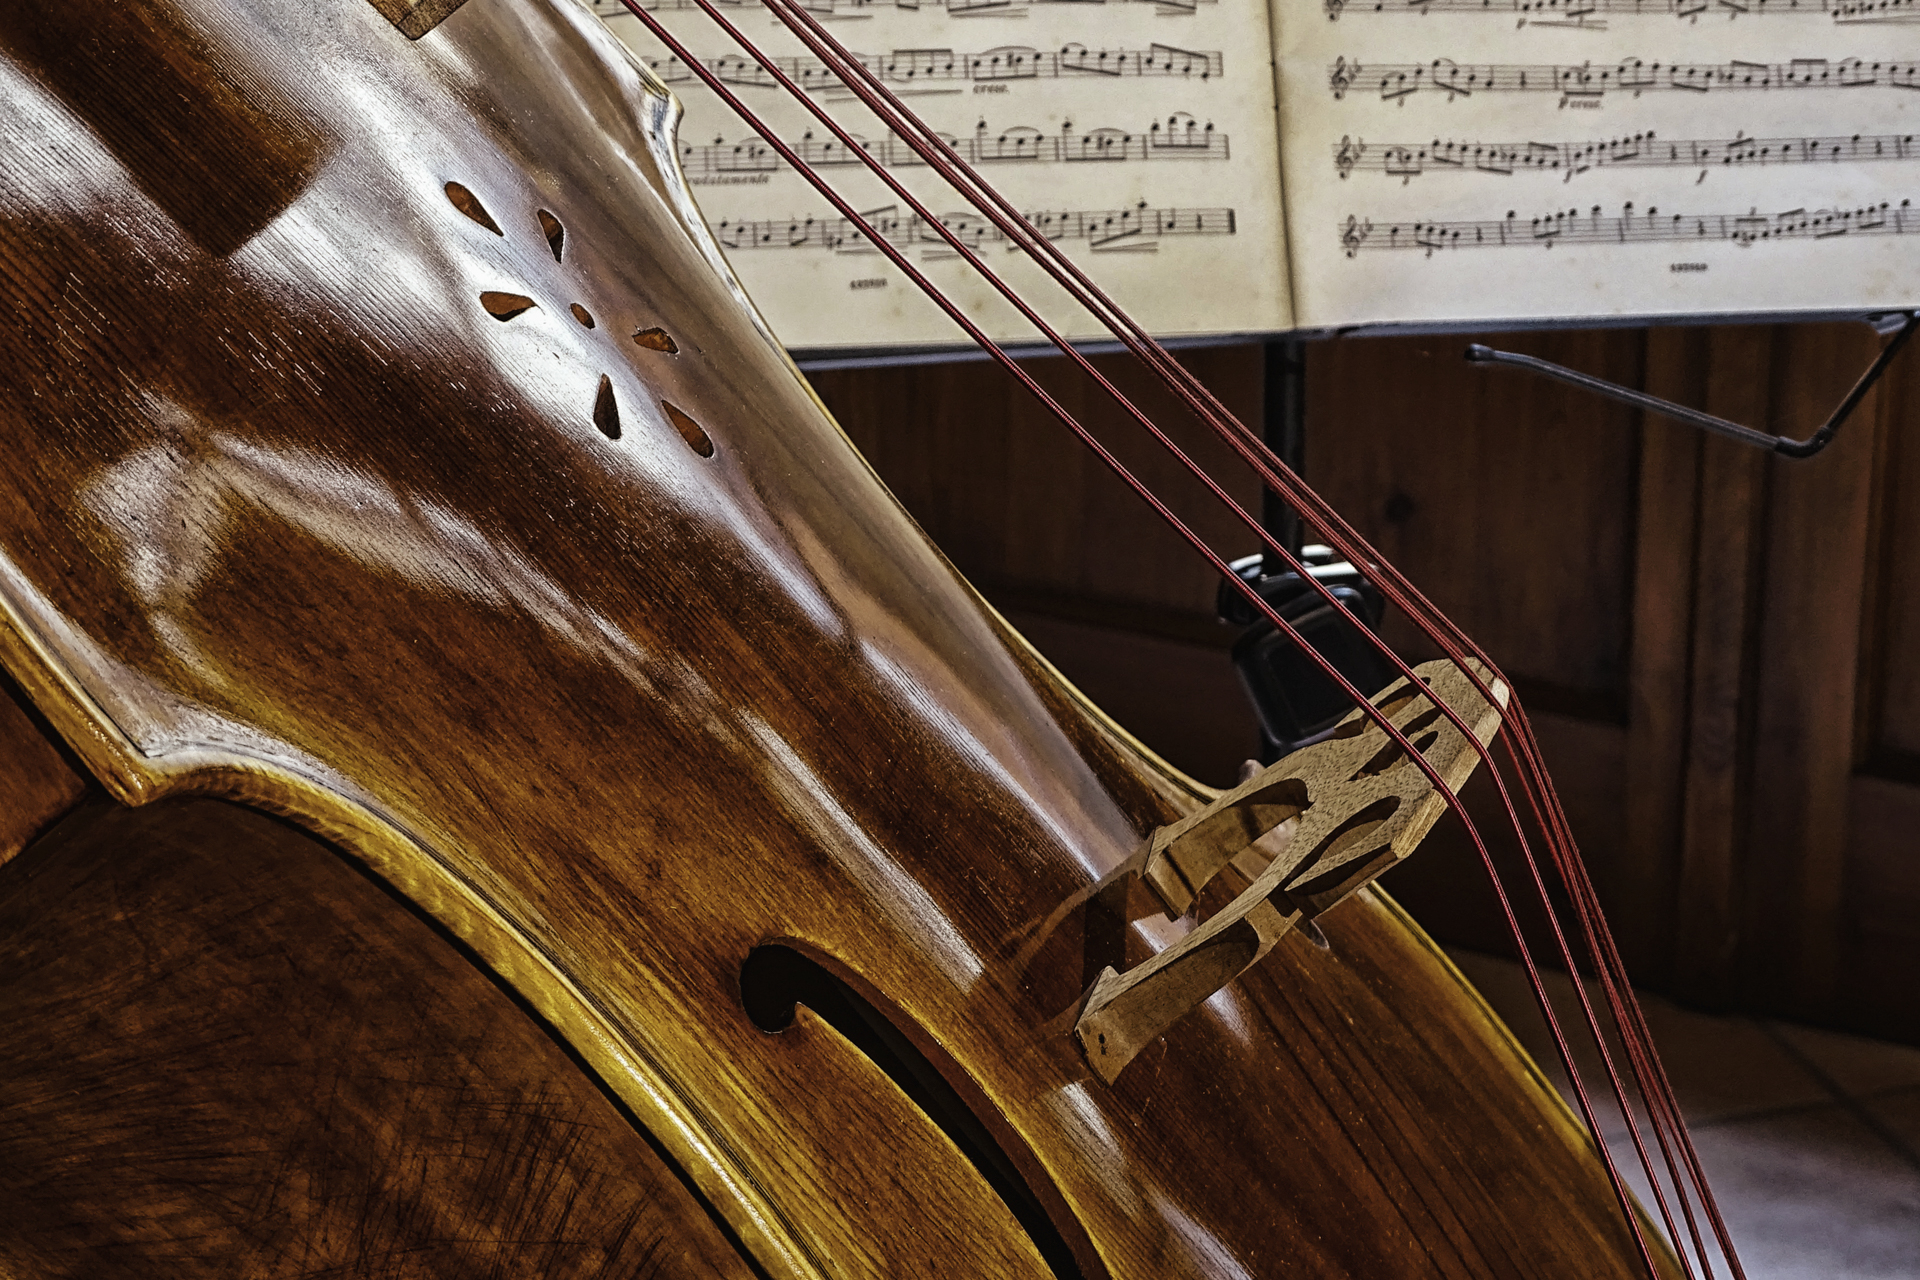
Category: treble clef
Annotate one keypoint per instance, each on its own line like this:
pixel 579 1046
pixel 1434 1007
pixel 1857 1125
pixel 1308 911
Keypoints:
pixel 1333 9
pixel 1354 234
pixel 1348 155
pixel 1343 76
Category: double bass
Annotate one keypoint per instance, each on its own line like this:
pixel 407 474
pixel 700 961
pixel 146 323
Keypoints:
pixel 496 786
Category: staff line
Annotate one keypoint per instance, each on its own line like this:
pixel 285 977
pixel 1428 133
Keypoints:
pixel 1179 137
pixel 1099 227
pixel 1409 160
pixel 1583 12
pixel 1005 63
pixel 1399 81
pixel 1590 226
pixel 832 9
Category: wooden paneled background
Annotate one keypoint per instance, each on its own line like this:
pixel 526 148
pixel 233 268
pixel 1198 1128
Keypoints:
pixel 1720 648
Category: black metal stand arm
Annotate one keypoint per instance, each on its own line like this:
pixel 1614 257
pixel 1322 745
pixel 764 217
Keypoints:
pixel 1907 322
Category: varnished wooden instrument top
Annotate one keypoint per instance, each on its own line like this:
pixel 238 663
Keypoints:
pixel 322 493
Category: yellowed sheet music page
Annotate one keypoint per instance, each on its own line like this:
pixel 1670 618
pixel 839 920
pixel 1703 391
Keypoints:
pixel 1515 159
pixel 1139 135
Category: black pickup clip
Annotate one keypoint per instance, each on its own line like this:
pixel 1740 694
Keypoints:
pixel 1292 697
pixel 1899 323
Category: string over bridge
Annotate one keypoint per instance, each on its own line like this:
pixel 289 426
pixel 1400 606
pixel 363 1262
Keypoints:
pixel 1361 806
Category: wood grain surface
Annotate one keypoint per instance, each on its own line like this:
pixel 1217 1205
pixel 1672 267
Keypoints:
pixel 292 516
pixel 225 1052
pixel 37 783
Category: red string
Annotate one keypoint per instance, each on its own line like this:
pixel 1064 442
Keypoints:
pixel 1522 748
pixel 937 153
pixel 1119 469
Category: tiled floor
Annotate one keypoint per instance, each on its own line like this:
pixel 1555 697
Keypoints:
pixel 1811 1140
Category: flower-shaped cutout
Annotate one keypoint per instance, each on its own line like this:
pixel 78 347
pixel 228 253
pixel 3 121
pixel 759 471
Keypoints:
pixel 505 307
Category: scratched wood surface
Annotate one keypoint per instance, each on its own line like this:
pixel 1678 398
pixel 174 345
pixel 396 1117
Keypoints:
pixel 296 511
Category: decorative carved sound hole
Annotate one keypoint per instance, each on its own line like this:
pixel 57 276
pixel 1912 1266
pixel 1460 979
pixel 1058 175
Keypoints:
pixel 692 432
pixel 606 410
pixel 416 17
pixel 506 306
pixel 468 203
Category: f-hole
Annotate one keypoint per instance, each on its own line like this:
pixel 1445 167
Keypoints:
pixel 775 978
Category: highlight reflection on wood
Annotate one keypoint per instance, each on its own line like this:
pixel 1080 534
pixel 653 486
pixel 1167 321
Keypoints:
pixel 289 517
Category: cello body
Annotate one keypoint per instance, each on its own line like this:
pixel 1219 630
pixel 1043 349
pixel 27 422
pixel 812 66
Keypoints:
pixel 470 626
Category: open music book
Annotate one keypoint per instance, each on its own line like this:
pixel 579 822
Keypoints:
pixel 1222 167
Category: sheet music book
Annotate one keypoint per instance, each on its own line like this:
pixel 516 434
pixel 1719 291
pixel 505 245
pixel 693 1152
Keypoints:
pixel 1226 166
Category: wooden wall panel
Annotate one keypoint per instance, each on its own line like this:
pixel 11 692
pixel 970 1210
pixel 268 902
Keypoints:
pixel 1445 883
pixel 1659 662
pixel 1816 517
pixel 1881 913
pixel 1891 717
pixel 1508 499
pixel 1726 598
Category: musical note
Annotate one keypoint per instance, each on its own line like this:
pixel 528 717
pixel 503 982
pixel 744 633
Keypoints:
pixel 719 159
pixel 860 8
pixel 1178 137
pixel 1159 60
pixel 1407 160
pixel 1399 81
pixel 1591 226
pixel 1103 229
pixel 1592 13
pixel 1014 62
pixel 921 66
pixel 1182 136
